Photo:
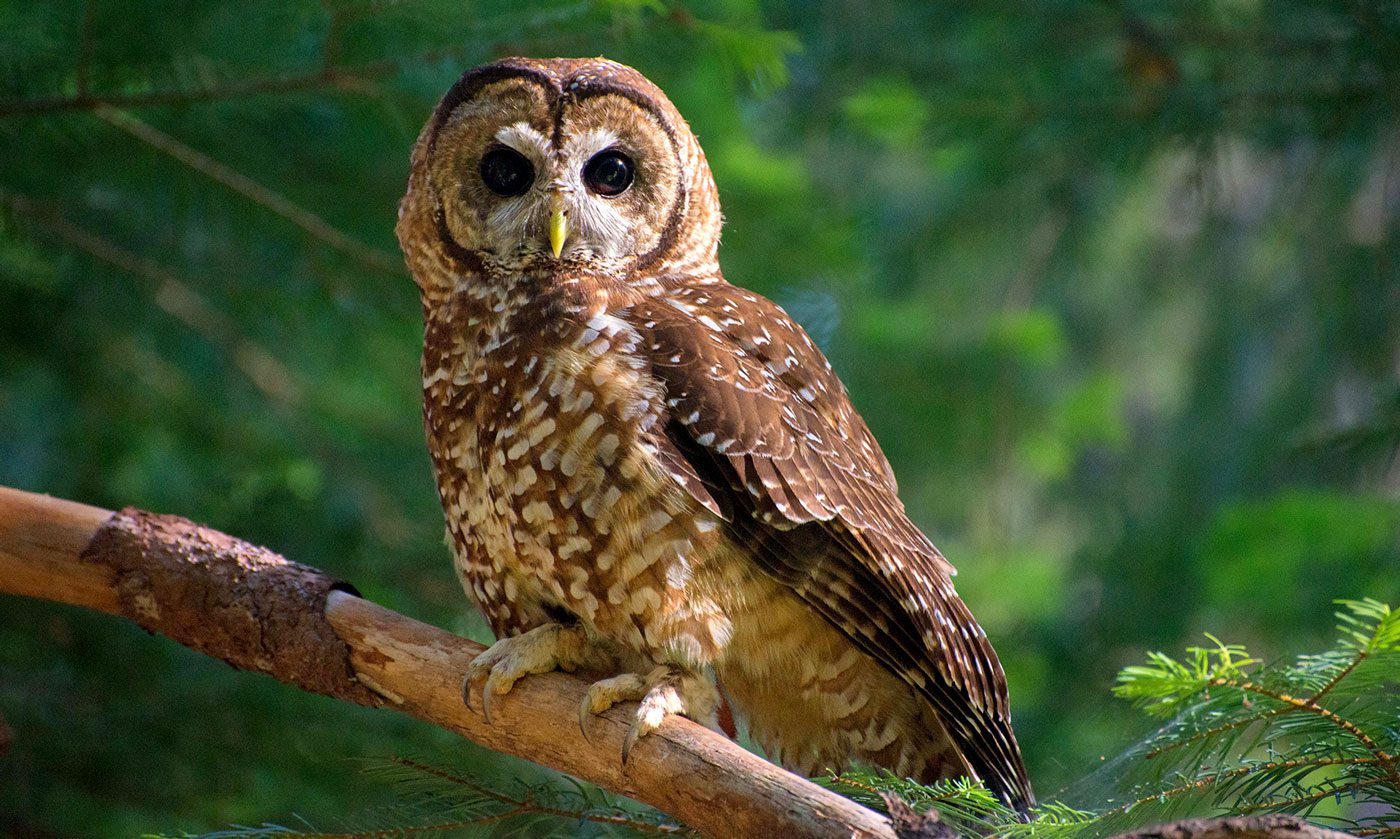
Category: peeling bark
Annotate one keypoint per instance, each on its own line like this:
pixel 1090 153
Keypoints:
pixel 228 599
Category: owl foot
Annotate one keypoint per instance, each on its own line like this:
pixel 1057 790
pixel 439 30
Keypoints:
pixel 665 690
pixel 542 649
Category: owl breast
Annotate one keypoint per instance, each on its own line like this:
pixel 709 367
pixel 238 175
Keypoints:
pixel 542 418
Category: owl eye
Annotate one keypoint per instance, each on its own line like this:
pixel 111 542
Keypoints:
pixel 506 172
pixel 609 173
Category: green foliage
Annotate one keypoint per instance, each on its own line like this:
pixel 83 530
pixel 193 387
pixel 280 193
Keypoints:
pixel 432 801
pixel 965 805
pixel 1164 684
pixel 1308 540
pixel 1317 737
pixel 1282 738
pixel 890 110
pixel 1114 284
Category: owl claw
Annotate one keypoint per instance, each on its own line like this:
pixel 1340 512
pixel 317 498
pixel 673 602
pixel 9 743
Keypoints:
pixel 587 707
pixel 664 691
pixel 540 650
pixel 606 693
pixel 467 691
pixel 494 687
pixel 628 742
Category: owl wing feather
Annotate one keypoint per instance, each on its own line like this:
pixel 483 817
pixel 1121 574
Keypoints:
pixel 762 431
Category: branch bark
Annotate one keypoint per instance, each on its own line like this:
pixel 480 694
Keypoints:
pixel 257 611
pixel 1276 826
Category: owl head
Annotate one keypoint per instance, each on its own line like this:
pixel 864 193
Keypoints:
pixel 577 163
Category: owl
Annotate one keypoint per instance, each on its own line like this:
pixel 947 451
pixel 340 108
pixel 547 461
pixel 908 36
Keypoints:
pixel 654 477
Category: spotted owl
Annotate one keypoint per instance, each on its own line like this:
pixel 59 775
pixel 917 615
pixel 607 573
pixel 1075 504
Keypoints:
pixel 654 477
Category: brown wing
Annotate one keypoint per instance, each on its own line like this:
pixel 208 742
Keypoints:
pixel 767 433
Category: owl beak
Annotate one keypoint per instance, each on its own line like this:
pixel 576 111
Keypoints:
pixel 558 226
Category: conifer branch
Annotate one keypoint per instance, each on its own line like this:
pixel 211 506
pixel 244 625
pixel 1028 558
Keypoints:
pixel 1311 797
pixel 1340 675
pixel 1385 760
pixel 254 191
pixel 342 78
pixel 526 805
pixel 384 833
pixel 1301 754
pixel 1209 781
pixel 175 297
pixel 1212 733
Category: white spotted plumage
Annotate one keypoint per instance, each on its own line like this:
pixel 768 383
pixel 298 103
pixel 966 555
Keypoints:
pixel 649 471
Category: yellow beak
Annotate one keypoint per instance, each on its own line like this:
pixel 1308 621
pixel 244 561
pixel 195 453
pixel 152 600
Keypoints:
pixel 558 228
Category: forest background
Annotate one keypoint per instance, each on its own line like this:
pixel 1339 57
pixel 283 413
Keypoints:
pixel 1115 285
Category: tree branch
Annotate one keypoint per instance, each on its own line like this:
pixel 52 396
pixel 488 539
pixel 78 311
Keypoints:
pixel 175 297
pixel 1278 826
pixel 258 611
pixel 333 77
pixel 254 191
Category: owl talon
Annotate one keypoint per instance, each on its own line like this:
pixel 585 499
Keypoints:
pixel 540 650
pixel 585 709
pixel 467 685
pixel 487 691
pixel 605 693
pixel 664 691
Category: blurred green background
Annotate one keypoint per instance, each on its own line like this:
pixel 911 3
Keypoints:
pixel 1115 284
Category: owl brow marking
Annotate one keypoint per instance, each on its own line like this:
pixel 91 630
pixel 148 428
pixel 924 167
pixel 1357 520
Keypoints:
pixel 526 139
pixel 473 82
pixel 580 149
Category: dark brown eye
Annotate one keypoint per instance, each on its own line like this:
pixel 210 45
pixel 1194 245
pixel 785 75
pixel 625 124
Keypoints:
pixel 506 172
pixel 609 173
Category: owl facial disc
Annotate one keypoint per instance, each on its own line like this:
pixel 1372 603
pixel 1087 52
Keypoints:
pixel 579 163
